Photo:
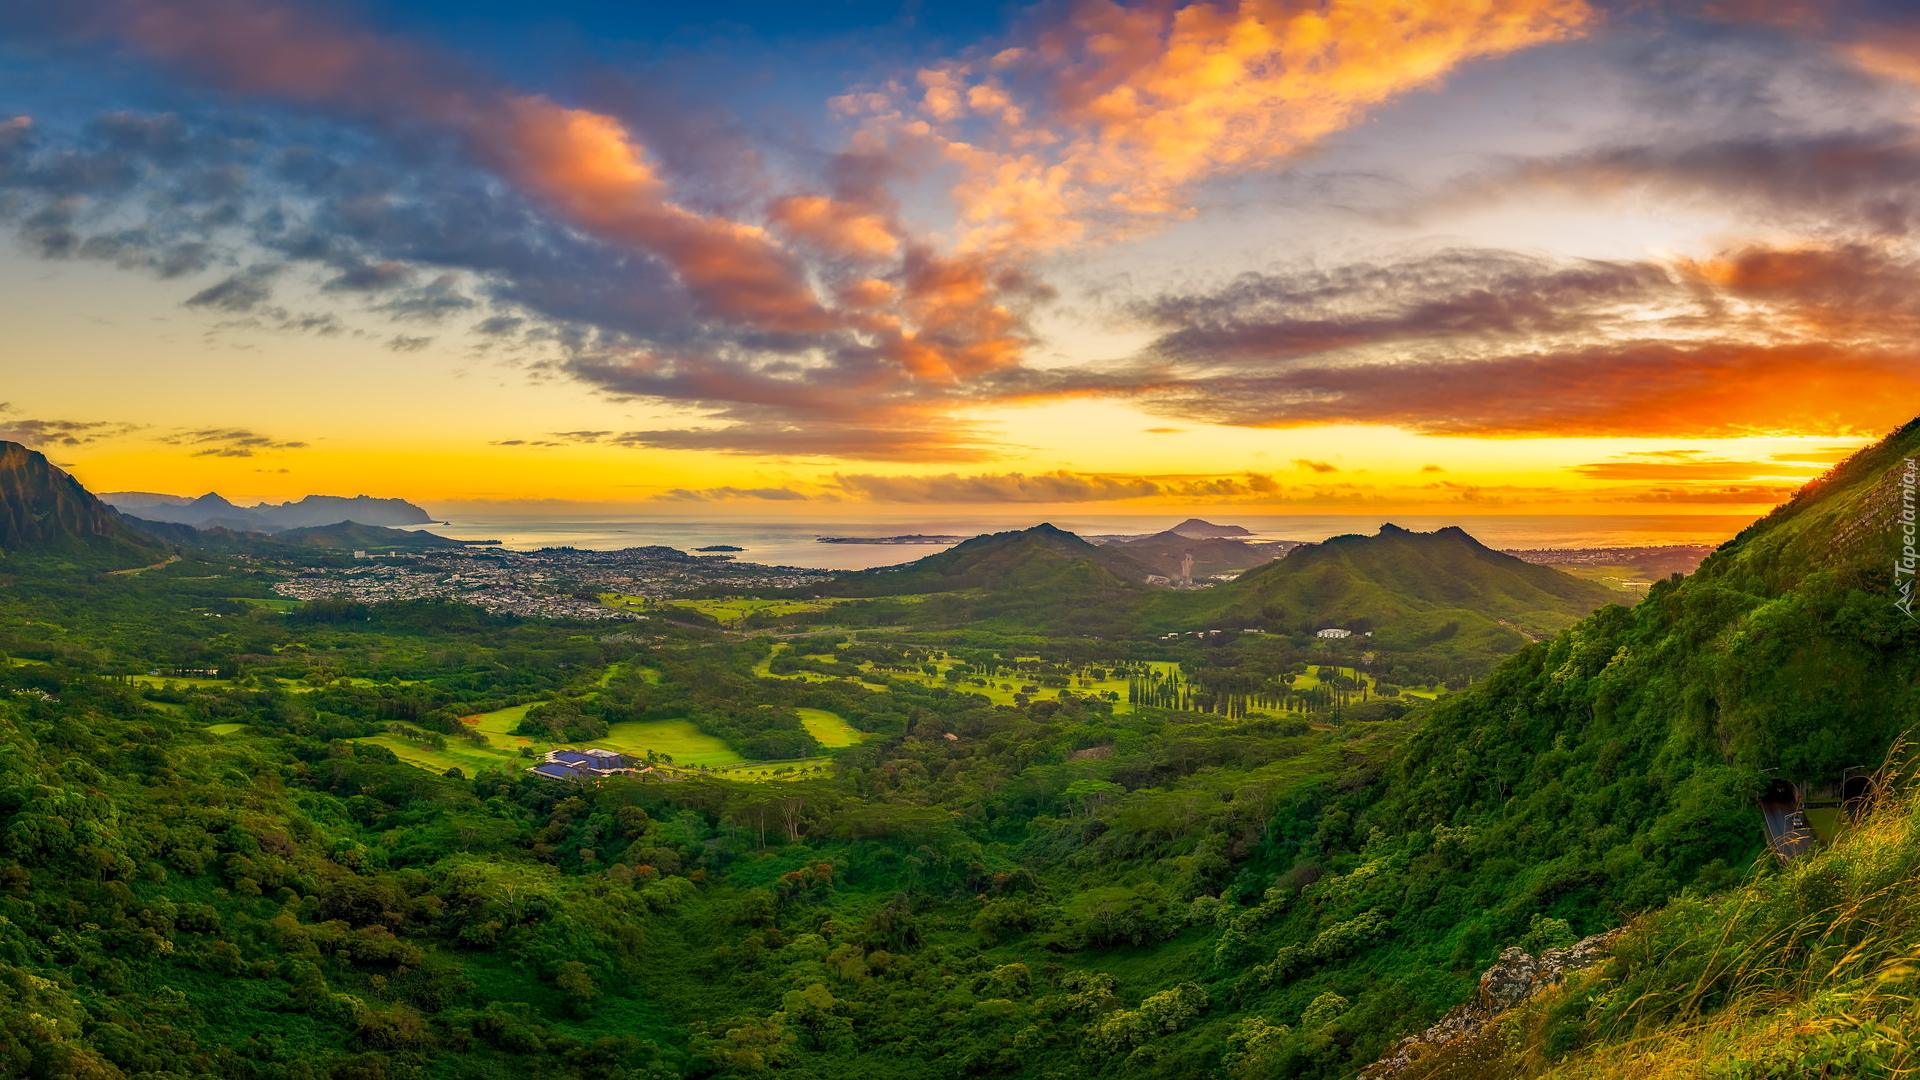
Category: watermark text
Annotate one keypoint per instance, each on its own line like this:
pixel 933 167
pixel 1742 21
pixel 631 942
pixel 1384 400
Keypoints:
pixel 1905 563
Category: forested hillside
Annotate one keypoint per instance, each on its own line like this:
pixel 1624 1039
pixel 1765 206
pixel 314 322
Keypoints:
pixel 1403 585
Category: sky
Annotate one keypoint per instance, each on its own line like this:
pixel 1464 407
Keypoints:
pixel 861 257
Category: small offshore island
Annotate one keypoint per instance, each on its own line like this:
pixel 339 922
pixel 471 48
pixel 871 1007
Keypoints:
pixel 720 547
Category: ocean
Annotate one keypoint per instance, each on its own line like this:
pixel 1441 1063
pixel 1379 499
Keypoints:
pixel 795 543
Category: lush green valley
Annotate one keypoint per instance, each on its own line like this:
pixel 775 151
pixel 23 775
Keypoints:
pixel 1006 812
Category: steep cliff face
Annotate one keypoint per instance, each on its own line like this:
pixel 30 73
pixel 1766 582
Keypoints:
pixel 42 508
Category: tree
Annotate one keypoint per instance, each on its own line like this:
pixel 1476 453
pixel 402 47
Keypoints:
pixel 576 982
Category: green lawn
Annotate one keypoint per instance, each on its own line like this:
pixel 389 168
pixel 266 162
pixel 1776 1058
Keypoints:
pixel 470 759
pixel 177 680
pixel 275 604
pixel 732 611
pixel 293 686
pixel 499 723
pixel 1627 579
pixel 829 728
pixel 225 729
pixel 686 744
pixel 778 770
pixel 679 739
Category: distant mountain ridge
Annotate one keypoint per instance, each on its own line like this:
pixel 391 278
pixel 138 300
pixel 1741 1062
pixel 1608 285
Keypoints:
pixel 1415 589
pixel 1021 558
pixel 44 509
pixel 1394 580
pixel 214 510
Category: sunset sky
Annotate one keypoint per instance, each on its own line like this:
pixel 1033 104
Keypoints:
pixel 1467 257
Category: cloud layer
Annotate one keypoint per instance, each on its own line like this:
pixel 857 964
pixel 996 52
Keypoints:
pixel 822 302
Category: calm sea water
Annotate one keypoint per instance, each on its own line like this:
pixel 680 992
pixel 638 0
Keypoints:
pixel 794 543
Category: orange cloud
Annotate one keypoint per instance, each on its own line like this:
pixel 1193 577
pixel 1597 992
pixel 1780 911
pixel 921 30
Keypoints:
pixel 1802 15
pixel 958 327
pixel 1714 470
pixel 1890 52
pixel 1855 288
pixel 839 227
pixel 589 168
pixel 1058 486
pixel 1129 106
pixel 1642 390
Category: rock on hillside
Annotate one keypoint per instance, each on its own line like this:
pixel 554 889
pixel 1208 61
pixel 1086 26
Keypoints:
pixel 1507 984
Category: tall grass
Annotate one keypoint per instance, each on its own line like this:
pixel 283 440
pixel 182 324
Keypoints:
pixel 1806 970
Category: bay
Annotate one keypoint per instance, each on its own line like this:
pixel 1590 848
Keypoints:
pixel 796 543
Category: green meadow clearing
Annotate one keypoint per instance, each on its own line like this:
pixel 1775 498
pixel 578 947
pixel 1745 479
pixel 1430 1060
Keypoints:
pixel 296 686
pixel 687 745
pixel 730 611
pixel 272 604
pixel 1631 580
pixel 179 680
pixel 727 612
pixel 678 739
pixel 777 770
pixel 828 728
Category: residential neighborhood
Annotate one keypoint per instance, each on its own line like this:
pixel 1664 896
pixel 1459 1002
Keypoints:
pixel 548 583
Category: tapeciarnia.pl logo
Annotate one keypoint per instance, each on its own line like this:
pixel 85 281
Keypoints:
pixel 1904 564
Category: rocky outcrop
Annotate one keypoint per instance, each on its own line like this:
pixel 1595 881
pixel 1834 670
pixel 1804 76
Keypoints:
pixel 1508 983
pixel 41 507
